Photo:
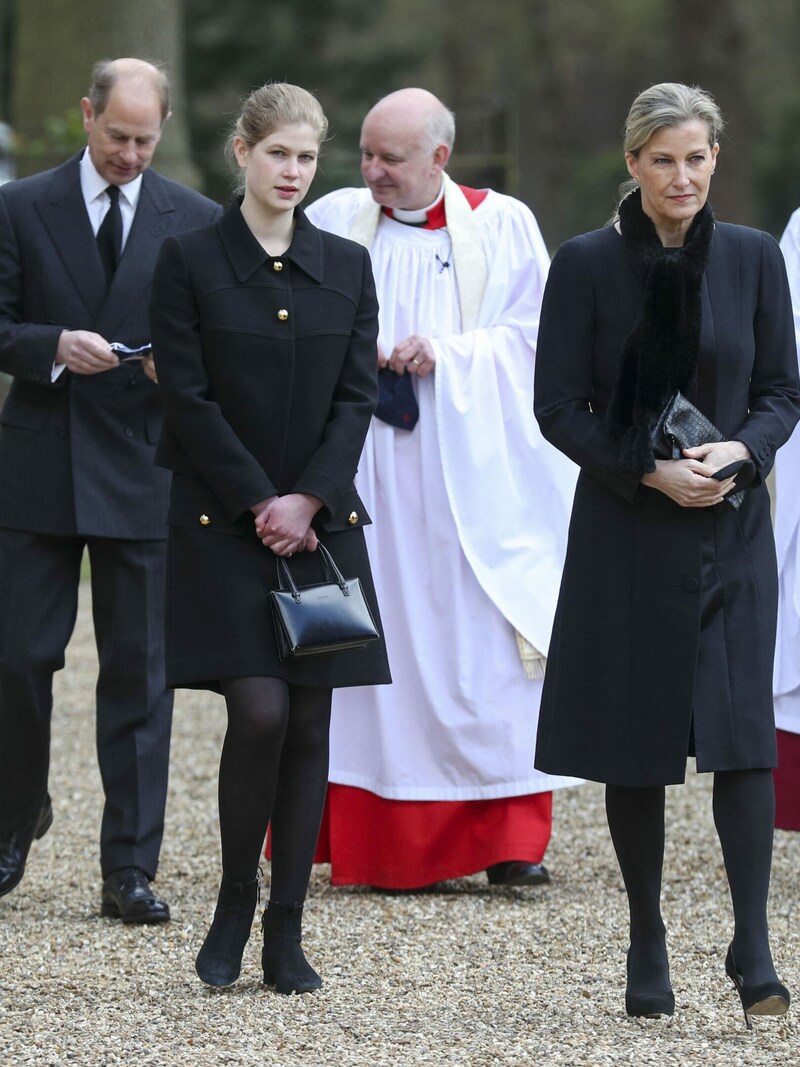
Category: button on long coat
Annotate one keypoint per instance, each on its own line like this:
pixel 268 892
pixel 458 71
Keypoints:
pixel 268 373
pixel 665 628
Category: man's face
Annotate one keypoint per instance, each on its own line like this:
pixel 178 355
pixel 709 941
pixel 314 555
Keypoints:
pixel 396 166
pixel 123 138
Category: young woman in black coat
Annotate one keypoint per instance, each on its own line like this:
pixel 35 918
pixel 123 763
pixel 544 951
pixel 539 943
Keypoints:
pixel 665 630
pixel 264 330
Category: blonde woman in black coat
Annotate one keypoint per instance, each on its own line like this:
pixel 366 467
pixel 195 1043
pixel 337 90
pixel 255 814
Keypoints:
pixel 265 333
pixel 665 629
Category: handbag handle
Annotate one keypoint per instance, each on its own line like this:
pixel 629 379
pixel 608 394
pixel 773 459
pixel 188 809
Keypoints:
pixel 332 573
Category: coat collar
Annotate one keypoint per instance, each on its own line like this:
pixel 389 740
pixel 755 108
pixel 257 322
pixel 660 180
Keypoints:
pixel 247 255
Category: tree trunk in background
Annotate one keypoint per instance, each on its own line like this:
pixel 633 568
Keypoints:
pixel 710 48
pixel 58 42
pixel 7 13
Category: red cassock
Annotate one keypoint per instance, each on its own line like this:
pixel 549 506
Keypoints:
pixel 787 782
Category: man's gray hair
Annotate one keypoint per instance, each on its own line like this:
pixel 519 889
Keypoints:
pixel 441 129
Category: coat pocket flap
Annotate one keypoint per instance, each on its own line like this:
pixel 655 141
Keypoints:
pixel 26 416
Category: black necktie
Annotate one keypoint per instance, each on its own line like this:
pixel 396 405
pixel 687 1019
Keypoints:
pixel 109 236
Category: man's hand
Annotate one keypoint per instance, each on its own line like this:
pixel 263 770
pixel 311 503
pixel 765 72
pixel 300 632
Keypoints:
pixel 414 355
pixel 84 352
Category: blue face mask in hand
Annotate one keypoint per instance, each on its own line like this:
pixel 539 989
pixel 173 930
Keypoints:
pixel 397 401
pixel 128 355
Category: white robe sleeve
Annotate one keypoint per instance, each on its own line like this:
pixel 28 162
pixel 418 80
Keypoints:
pixel 787 530
pixel 509 490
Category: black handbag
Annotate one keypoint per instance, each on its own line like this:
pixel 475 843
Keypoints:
pixel 328 617
pixel 681 425
pixel 397 401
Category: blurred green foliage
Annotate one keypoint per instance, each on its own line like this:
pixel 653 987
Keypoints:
pixel 540 88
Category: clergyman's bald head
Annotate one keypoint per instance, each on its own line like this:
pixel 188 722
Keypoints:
pixel 417 111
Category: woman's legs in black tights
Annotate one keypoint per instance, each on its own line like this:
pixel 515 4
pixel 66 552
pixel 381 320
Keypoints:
pixel 744 814
pixel 274 767
pixel 636 821
pixel 258 717
pixel 258 713
pixel 300 798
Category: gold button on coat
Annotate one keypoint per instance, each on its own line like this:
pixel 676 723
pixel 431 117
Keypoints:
pixel 277 265
pixel 352 518
pixel 204 520
pixel 283 314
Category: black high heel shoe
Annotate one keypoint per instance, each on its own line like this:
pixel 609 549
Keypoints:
pixel 648 1005
pixel 763 998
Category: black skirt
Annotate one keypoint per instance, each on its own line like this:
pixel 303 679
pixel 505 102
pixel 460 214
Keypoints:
pixel 219 623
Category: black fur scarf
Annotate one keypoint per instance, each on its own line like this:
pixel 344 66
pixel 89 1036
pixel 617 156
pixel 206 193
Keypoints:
pixel 660 353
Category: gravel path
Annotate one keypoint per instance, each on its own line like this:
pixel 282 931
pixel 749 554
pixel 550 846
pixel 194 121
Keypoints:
pixel 463 975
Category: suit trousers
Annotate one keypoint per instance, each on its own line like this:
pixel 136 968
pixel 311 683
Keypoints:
pixel 39 578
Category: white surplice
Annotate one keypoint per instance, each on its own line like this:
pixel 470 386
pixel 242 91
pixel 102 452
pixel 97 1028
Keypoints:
pixel 470 514
pixel 786 678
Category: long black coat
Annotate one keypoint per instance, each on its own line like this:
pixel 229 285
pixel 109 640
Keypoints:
pixel 666 616
pixel 268 372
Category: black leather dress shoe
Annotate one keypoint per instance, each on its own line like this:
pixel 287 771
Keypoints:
pixel 15 846
pixel 517 872
pixel 127 895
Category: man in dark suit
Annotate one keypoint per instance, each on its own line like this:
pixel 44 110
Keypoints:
pixel 77 434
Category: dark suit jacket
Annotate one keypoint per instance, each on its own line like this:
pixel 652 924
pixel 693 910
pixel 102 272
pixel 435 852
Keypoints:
pixel 267 368
pixel 76 456
pixel 640 571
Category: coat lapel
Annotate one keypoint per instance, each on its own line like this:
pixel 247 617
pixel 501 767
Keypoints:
pixel 63 214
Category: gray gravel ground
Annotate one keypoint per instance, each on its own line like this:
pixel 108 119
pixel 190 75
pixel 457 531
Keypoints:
pixel 461 975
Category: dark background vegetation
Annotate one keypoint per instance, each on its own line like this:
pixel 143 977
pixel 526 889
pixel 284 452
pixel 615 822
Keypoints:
pixel 540 88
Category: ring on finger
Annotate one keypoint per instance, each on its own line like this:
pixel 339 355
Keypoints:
pixel 416 362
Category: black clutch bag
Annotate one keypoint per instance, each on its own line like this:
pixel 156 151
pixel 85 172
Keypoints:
pixel 681 425
pixel 397 401
pixel 328 617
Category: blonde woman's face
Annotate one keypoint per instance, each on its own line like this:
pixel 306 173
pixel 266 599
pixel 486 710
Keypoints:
pixel 280 168
pixel 674 172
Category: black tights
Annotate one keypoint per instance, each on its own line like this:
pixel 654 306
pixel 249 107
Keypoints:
pixel 274 768
pixel 744 814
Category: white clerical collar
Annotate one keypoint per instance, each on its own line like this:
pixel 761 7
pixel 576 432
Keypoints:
pixel 465 239
pixel 419 216
pixel 93 184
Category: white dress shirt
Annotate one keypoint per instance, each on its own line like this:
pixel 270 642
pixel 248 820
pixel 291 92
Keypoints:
pixel 97 201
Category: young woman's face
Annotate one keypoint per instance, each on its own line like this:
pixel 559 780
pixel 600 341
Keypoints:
pixel 674 171
pixel 280 168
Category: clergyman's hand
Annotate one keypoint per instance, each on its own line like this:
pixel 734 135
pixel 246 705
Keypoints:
pixel 414 355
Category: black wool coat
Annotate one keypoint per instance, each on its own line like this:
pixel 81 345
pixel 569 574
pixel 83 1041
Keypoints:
pixel 665 627
pixel 267 368
pixel 268 377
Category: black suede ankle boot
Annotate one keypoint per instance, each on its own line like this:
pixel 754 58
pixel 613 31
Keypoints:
pixel 219 961
pixel 282 958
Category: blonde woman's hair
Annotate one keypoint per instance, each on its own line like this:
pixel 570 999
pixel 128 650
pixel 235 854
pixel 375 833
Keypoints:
pixel 662 106
pixel 268 108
